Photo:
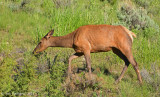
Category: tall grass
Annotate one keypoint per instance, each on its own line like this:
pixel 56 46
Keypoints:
pixel 22 27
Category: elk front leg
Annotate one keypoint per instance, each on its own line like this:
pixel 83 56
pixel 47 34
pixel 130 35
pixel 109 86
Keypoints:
pixel 76 55
pixel 88 62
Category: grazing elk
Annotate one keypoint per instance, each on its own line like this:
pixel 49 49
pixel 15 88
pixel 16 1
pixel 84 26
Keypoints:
pixel 94 38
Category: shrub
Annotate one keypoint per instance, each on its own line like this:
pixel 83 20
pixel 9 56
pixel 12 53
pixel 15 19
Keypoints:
pixel 143 3
pixel 7 72
pixel 26 73
pixel 152 77
pixel 57 76
pixel 138 19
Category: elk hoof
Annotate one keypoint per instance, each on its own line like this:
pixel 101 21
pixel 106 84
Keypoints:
pixel 117 81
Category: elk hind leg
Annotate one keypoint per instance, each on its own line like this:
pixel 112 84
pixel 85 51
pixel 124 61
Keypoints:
pixel 123 57
pixel 135 66
pixel 128 54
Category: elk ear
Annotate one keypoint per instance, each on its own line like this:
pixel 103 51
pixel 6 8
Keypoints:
pixel 50 33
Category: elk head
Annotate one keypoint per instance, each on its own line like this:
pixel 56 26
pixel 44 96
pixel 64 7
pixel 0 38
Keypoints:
pixel 44 43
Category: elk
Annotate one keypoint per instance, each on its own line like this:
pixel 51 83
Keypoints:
pixel 95 38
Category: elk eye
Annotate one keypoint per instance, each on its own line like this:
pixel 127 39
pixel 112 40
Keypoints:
pixel 40 43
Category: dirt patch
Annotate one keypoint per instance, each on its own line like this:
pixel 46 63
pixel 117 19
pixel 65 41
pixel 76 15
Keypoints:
pixel 82 82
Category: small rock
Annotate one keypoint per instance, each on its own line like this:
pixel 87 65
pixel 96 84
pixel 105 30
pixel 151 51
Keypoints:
pixel 1 58
pixel 145 75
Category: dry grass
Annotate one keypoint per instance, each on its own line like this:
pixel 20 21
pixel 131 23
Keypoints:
pixel 81 83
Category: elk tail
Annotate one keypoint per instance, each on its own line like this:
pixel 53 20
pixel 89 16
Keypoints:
pixel 130 33
pixel 134 35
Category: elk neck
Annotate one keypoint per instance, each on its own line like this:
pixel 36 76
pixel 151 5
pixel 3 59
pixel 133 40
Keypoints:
pixel 62 41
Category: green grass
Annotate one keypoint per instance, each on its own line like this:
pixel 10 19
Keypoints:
pixel 45 75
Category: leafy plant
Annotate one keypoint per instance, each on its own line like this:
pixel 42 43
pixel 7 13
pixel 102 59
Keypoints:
pixel 56 71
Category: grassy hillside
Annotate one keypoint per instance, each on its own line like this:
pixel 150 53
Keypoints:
pixel 24 22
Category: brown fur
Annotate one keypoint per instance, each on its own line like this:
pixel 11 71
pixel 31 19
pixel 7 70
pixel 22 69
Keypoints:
pixel 95 38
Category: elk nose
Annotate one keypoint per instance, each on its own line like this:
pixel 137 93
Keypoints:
pixel 34 52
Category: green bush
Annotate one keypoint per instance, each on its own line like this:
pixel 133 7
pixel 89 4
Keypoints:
pixel 24 22
pixel 143 3
pixel 57 75
pixel 26 73
pixel 136 18
pixel 7 72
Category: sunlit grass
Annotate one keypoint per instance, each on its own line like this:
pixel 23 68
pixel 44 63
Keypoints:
pixel 22 29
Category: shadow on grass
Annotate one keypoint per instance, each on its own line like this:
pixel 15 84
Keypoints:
pixel 106 72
